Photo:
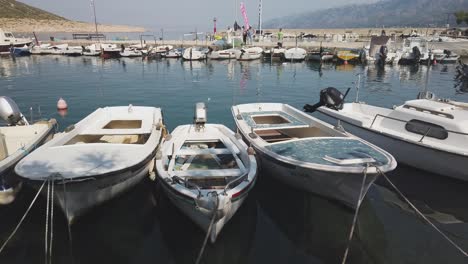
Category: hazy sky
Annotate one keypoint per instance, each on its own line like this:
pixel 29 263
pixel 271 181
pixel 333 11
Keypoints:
pixel 179 14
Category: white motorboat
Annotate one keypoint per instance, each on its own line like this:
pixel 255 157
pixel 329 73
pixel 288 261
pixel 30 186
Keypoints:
pixel 110 51
pixel 21 51
pixel 223 54
pixel 58 49
pixel 92 50
pixel 444 56
pixel 8 40
pixel 276 54
pixel 380 51
pixel 17 139
pixel 73 51
pixel 246 54
pixel 173 54
pixel 100 157
pixel 206 171
pixel 310 154
pixel 131 52
pixel 163 48
pixel 194 53
pixel 414 50
pixel 295 54
pixel 431 135
pixel 42 49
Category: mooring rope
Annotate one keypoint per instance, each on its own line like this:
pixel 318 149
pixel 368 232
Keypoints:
pixel 208 232
pixel 362 194
pixel 70 240
pixel 47 222
pixel 22 218
pixel 462 251
pixel 51 222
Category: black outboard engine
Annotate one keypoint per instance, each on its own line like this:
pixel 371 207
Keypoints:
pixel 329 97
pixel 417 54
pixel 383 54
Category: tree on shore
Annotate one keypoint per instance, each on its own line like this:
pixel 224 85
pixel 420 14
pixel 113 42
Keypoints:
pixel 461 17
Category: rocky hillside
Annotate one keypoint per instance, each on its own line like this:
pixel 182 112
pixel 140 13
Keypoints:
pixel 388 13
pixel 15 9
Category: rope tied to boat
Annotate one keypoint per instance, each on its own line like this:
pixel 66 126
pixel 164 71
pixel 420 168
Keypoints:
pixel 461 250
pixel 362 194
pixel 208 232
pixel 22 218
pixel 49 232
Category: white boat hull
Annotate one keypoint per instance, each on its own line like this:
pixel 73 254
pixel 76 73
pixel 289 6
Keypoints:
pixel 409 153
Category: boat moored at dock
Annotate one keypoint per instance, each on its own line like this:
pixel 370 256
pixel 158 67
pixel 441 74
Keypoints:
pixel 310 154
pixel 100 157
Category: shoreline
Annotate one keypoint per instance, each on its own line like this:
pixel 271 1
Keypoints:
pixel 25 25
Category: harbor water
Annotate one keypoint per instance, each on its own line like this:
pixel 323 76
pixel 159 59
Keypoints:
pixel 276 224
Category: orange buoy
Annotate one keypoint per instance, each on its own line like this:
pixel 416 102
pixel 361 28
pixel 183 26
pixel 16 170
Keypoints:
pixel 62 104
pixel 435 62
pixel 345 62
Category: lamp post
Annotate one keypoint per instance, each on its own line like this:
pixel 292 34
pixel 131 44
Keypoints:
pixel 214 28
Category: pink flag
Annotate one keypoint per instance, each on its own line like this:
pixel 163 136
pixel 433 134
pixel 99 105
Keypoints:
pixel 244 15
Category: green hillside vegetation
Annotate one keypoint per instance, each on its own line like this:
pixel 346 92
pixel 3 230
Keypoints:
pixel 15 9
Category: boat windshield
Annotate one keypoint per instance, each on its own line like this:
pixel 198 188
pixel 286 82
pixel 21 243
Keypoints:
pixel 110 139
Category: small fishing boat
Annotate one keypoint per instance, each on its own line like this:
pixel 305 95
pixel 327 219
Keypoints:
pixel 274 54
pixel 131 52
pixel 21 51
pixel 226 54
pixel 58 49
pixel 322 55
pixel 73 51
pixel 414 50
pixel 206 171
pixel 163 48
pixel 92 50
pixel 17 139
pixel 310 154
pixel 348 56
pixel 8 40
pixel 194 53
pixel 247 54
pixel 42 49
pixel 173 54
pixel 110 51
pixel 444 56
pixel 295 54
pixel 428 134
pixel 100 157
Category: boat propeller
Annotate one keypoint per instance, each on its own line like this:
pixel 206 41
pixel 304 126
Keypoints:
pixel 329 97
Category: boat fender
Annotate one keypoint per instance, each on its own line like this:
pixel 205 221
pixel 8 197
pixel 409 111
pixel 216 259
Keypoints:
pixel 168 137
pixel 250 151
pixel 62 104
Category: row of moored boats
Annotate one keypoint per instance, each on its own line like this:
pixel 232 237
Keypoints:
pixel 207 170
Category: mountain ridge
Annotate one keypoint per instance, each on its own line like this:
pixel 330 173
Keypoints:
pixel 388 13
pixel 18 10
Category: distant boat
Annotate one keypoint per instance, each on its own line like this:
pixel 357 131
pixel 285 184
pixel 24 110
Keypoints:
pixel 17 139
pixel 8 40
pixel 162 48
pixel 100 157
pixel 223 54
pixel 173 53
pixel 247 54
pixel 275 54
pixel 321 55
pixel 42 49
pixel 206 171
pixel 295 54
pixel 109 51
pixel 21 51
pixel 348 56
pixel 130 52
pixel 444 56
pixel 92 50
pixel 194 53
pixel 414 50
pixel 309 154
pixel 380 52
pixel 73 51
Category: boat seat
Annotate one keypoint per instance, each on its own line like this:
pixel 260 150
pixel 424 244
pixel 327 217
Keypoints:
pixel 208 173
pixel 3 147
pixel 189 151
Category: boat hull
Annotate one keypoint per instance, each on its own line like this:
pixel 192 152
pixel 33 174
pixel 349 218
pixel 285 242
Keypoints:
pixel 407 152
pixel 6 48
pixel 110 54
pixel 202 218
pixel 78 197
pixel 340 186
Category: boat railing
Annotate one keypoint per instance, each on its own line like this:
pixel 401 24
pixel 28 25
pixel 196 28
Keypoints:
pixel 406 122
pixel 239 179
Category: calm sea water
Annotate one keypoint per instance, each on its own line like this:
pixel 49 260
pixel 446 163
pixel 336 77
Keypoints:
pixel 277 224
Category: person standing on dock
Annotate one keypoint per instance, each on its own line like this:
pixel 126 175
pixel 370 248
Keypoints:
pixel 280 38
pixel 244 35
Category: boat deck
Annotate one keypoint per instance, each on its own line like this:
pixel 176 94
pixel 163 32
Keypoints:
pixel 284 120
pixel 329 151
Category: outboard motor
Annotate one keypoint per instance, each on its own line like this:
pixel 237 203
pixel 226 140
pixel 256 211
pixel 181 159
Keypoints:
pixel 200 116
pixel 9 111
pixel 417 54
pixel 329 97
